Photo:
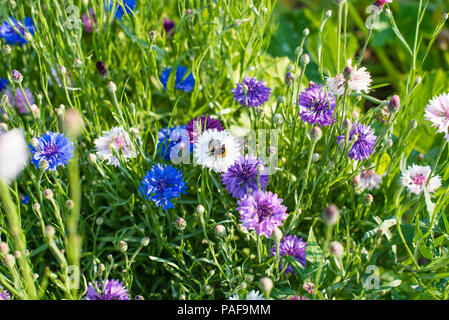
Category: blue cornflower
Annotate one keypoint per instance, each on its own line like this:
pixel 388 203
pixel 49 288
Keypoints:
pixel 3 84
pixel 172 140
pixel 364 143
pixel 182 82
pixel 128 4
pixel 11 36
pixel 292 246
pixel 25 199
pixel 55 148
pixel 161 184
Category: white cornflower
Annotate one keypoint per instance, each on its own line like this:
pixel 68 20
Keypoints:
pixel 415 179
pixel 369 179
pixel 234 297
pixel 115 144
pixel 437 112
pixel 13 154
pixel 254 295
pixel 216 150
pixel 360 81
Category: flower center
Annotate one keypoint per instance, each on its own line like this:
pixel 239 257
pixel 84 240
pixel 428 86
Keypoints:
pixel 264 212
pixel 367 174
pixel 419 180
pixel 118 142
pixel 50 150
pixel 217 149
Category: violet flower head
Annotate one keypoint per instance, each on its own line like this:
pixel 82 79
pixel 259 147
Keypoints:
pixel 251 92
pixel 204 123
pixel 317 107
pixel 292 246
pixel 243 175
pixel 11 36
pixel 88 21
pixel 363 146
pixel 4 295
pixel 262 212
pixel 380 3
pixel 169 26
pixel 19 101
pixel 109 290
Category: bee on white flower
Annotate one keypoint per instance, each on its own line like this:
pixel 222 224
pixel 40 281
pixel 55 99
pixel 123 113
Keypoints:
pixel 115 144
pixel 216 150
pixel 13 154
pixel 415 178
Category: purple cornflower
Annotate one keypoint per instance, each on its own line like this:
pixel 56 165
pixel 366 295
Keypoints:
pixel 11 36
pixel 161 184
pixel 242 175
pixel 55 148
pixel 4 295
pixel 262 212
pixel 111 290
pixel 182 82
pixel 20 101
pixel 292 246
pixel 172 140
pixel 363 145
pixel 316 106
pixel 169 25
pixel 204 122
pixel 251 92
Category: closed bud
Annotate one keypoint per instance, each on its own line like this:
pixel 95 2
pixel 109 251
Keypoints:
pixel 336 249
pixel 48 193
pixel 153 35
pixel 278 119
pixel 315 157
pixel 70 204
pixel 43 165
pixel 200 209
pixel 17 76
pixel 306 32
pixel 99 221
pixel 347 124
pixel 266 285
pixel 73 122
pixel 220 230
pixel 4 249
pixel 316 133
pixel 309 287
pixel 50 232
pixel 368 199
pixel 145 241
pixel 394 104
pixel 77 63
pixel 260 169
pixel 123 246
pixel 305 59
pixel 36 206
pixel 7 49
pixel 208 290
pixel 9 260
pixel 331 214
pixel 277 235
pixel 413 124
pixel 180 224
pixel 92 158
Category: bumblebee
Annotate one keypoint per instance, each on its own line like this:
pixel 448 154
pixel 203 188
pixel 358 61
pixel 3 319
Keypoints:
pixel 216 148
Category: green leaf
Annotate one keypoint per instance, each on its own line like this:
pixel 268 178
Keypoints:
pixel 382 163
pixel 314 253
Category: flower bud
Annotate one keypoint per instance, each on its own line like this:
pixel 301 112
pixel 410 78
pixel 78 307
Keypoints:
pixel 180 224
pixel 145 241
pixel 267 285
pixel 277 235
pixel 70 204
pixel 17 76
pixel 99 221
pixel 123 246
pixel 43 165
pixel 220 230
pixel 316 133
pixel 77 63
pixel 368 199
pixel 50 232
pixel 413 124
pixel 309 287
pixel 4 249
pixel 73 122
pixel 305 59
pixel 331 214
pixel 306 32
pixel 278 119
pixel 9 260
pixel 336 249
pixel 112 87
pixel 36 206
pixel 200 209
pixel 394 104
pixel 48 193
pixel 315 157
